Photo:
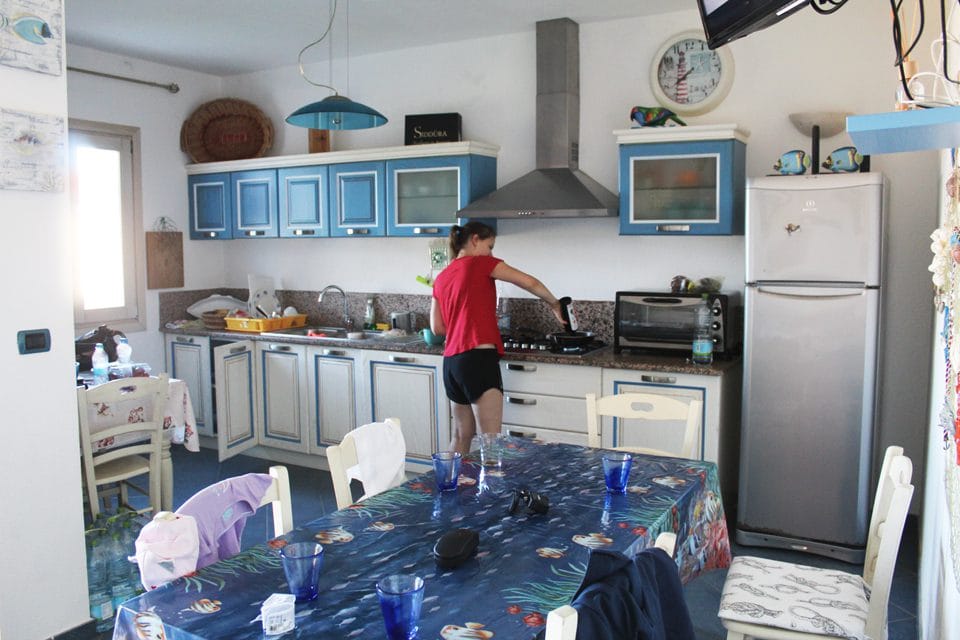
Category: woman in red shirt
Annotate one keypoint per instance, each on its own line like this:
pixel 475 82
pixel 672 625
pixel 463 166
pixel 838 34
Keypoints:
pixel 464 309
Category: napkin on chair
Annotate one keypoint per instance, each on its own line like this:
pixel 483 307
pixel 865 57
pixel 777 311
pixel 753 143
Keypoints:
pixel 381 450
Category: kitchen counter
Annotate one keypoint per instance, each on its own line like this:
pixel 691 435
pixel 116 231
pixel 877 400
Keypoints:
pixel 604 358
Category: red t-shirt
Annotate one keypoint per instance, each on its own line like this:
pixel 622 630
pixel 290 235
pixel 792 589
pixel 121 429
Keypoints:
pixel 467 296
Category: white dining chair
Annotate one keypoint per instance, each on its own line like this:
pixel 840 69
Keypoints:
pixel 143 423
pixel 278 497
pixel 782 600
pixel 379 449
pixel 562 621
pixel 648 407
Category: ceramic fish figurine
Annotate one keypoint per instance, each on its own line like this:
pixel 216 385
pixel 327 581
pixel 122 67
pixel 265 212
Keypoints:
pixel 843 159
pixel 30 28
pixel 654 116
pixel 792 163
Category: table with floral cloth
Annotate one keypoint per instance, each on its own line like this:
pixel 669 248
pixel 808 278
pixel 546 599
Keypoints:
pixel 526 564
pixel 179 424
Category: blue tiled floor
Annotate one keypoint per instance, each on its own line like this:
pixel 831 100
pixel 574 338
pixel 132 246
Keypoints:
pixel 312 496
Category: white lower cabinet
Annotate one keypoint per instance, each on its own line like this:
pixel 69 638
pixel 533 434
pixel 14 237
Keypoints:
pixel 410 387
pixel 238 421
pixel 282 395
pixel 333 381
pixel 188 358
pixel 546 401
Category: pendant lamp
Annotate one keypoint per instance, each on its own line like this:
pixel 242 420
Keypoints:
pixel 336 111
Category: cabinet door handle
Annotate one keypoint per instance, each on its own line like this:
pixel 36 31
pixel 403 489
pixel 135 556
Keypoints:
pixel 402 359
pixel 431 230
pixel 279 347
pixel 238 349
pixel 525 401
pixel 521 367
pixel 673 227
pixel 303 232
pixel 334 352
pixel 659 379
pixel 183 340
pixel 521 434
pixel 212 234
pixel 254 234
pixel 357 232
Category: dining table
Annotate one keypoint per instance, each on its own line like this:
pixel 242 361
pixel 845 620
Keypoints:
pixel 527 563
pixel 179 427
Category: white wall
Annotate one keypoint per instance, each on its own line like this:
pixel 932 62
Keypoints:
pixel 42 570
pixel 808 62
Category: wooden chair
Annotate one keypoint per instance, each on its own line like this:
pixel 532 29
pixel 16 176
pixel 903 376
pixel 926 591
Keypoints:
pixel 646 406
pixel 342 459
pixel 143 423
pixel 278 496
pixel 854 606
pixel 562 621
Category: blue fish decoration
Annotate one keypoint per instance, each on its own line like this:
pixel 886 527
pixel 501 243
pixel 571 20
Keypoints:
pixel 30 28
pixel 654 116
pixel 792 163
pixel 845 159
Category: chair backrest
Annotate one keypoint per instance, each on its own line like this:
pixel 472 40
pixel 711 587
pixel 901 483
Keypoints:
pixel 894 492
pixel 562 621
pixel 278 496
pixel 345 461
pixel 646 406
pixel 117 409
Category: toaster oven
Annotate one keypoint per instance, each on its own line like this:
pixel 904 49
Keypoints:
pixel 653 321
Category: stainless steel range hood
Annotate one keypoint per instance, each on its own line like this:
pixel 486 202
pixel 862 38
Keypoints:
pixel 556 188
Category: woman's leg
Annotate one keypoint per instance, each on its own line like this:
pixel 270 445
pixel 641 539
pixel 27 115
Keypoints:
pixel 464 427
pixel 488 410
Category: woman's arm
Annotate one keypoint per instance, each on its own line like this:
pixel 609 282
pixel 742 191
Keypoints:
pixel 527 282
pixel 436 319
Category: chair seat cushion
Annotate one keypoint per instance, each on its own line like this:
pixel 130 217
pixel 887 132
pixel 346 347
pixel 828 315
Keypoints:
pixel 121 469
pixel 795 597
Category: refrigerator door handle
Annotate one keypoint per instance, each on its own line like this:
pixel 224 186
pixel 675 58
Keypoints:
pixel 811 292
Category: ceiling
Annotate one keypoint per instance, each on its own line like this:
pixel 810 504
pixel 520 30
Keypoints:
pixel 226 37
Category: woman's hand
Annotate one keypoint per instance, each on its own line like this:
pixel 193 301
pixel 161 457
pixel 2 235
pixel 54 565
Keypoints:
pixel 555 307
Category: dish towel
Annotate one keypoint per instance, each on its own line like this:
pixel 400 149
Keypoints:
pixel 381 450
pixel 166 549
pixel 221 511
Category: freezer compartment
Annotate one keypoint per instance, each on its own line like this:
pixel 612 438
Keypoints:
pixel 824 229
pixel 808 412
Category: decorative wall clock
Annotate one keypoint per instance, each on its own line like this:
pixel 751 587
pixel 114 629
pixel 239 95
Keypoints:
pixel 688 77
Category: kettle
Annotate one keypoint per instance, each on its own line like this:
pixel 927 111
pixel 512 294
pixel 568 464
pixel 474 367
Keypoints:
pixel 405 320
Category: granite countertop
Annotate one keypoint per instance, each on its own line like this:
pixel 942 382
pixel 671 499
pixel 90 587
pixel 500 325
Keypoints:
pixel 604 358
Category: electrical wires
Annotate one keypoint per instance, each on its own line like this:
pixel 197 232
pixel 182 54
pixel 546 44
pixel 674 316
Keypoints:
pixel 942 77
pixel 826 7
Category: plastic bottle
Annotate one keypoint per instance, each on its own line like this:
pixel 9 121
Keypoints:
pixel 98 583
pixel 703 335
pixel 369 317
pixel 124 351
pixel 100 362
pixel 121 586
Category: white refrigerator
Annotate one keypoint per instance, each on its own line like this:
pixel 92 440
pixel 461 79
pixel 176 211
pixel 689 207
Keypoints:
pixel 814 249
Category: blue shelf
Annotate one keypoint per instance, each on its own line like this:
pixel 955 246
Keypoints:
pixel 914 130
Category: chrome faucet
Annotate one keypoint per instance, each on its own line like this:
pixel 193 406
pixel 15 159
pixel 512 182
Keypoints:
pixel 347 322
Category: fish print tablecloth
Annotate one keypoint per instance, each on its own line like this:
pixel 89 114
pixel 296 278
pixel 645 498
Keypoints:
pixel 526 564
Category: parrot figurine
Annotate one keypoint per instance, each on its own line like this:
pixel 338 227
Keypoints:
pixel 654 116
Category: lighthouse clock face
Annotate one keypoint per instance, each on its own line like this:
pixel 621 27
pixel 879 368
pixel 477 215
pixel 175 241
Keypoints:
pixel 688 77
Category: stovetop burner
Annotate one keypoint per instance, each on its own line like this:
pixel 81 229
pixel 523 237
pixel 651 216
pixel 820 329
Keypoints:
pixel 532 343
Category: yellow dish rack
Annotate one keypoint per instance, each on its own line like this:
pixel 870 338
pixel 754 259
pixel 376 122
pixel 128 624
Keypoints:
pixel 259 325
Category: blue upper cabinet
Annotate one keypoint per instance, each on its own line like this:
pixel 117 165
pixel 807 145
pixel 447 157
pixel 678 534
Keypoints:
pixel 682 180
pixel 210 206
pixel 304 202
pixel 424 194
pixel 254 203
pixel 358 199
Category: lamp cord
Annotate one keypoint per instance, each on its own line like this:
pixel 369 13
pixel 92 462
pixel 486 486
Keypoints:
pixel 303 74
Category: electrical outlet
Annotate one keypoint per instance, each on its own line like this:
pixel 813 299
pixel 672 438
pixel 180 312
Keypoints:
pixel 438 257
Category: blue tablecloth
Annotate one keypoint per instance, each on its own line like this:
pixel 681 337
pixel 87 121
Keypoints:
pixel 526 564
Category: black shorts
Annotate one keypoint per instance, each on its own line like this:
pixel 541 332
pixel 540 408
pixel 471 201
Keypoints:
pixel 468 375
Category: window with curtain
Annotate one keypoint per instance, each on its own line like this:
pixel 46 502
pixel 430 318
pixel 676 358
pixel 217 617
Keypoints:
pixel 105 198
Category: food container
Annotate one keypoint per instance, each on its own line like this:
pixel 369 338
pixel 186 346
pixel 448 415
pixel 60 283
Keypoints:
pixel 214 319
pixel 259 325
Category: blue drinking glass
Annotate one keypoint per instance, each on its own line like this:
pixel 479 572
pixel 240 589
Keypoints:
pixel 616 471
pixel 446 468
pixel 401 597
pixel 302 562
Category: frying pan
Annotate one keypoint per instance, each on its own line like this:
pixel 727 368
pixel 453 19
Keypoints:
pixel 572 338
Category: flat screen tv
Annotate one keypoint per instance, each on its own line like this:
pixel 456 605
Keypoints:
pixel 726 20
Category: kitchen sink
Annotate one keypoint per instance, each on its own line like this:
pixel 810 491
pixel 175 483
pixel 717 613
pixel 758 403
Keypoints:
pixel 341 333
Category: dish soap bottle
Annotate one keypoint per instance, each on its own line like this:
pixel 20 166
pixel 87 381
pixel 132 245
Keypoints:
pixel 369 317
pixel 702 338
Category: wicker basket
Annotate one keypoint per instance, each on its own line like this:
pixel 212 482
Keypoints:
pixel 215 319
pixel 226 129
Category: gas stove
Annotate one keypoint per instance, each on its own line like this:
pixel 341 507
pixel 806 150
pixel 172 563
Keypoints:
pixel 538 343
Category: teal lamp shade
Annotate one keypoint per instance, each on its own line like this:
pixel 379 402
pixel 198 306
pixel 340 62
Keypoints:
pixel 336 112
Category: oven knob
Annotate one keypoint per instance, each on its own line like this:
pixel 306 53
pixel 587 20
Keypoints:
pixel 543 347
pixel 524 345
